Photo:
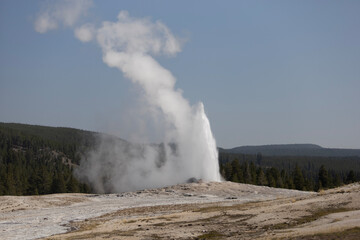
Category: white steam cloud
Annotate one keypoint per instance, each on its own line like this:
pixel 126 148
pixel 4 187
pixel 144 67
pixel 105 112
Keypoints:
pixel 188 149
pixel 65 12
pixel 85 33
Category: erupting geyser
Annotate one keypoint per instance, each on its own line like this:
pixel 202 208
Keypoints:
pixel 189 148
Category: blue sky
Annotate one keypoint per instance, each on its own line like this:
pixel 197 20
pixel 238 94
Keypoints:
pixel 267 72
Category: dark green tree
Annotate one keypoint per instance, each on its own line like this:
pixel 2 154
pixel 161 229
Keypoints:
pixel 228 171
pixel 73 185
pixel 253 172
pixel 9 181
pixel 58 185
pixel 261 178
pixel 350 177
pixel 258 158
pixel 235 165
pixel 235 178
pixel 246 173
pixel 323 177
pixel 270 179
pixel 298 178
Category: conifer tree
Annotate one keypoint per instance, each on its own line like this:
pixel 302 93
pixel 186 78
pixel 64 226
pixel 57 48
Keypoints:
pixel 261 178
pixel 58 185
pixel 246 173
pixel 270 178
pixel 235 178
pixel 350 177
pixel 298 178
pixel 323 177
pixel 228 171
pixel 73 185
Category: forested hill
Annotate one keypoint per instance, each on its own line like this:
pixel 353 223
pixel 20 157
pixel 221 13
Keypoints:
pixel 50 135
pixel 293 150
pixel 40 160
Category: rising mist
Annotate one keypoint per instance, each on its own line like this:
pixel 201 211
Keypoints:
pixel 188 147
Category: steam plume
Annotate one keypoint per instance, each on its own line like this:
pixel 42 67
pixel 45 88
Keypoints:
pixel 66 12
pixel 188 149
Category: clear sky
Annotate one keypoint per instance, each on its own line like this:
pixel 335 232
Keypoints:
pixel 268 72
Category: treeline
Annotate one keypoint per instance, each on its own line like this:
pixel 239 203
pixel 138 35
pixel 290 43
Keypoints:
pixel 311 164
pixel 41 160
pixel 301 175
pixel 35 160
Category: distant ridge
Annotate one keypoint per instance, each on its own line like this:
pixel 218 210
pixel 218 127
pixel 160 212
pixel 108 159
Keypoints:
pixel 293 150
pixel 77 136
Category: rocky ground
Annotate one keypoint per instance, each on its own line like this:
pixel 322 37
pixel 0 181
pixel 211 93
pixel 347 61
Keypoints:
pixel 187 211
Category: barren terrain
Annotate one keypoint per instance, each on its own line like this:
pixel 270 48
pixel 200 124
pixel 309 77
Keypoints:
pixel 187 211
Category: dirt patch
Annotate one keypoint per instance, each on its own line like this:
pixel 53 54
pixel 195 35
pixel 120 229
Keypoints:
pixel 313 215
pixel 349 234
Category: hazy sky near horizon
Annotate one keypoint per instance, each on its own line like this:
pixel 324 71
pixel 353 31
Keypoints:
pixel 268 72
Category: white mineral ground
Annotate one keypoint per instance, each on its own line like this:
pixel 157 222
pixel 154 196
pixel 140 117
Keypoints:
pixel 183 211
